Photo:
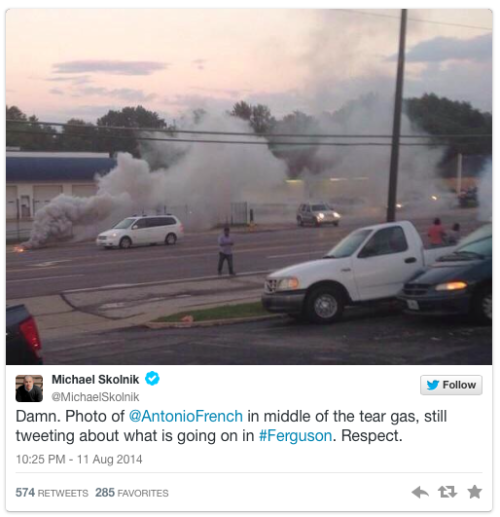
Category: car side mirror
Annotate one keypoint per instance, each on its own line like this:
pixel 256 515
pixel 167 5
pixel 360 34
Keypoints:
pixel 135 227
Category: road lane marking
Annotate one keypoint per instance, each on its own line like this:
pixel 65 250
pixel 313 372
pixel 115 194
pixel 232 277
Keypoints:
pixel 50 263
pixel 241 252
pixel 41 278
pixel 313 238
pixel 145 284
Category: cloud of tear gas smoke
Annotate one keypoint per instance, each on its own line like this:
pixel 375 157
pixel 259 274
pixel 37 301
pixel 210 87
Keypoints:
pixel 200 186
pixel 365 170
pixel 485 193
pixel 199 181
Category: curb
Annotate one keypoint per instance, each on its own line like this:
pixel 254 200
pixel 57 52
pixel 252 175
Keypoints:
pixel 156 325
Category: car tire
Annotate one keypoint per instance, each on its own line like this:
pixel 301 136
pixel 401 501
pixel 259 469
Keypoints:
pixel 300 222
pixel 482 306
pixel 125 243
pixel 325 305
pixel 170 239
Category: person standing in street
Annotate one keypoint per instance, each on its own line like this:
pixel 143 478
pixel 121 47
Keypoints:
pixel 436 234
pixel 226 244
pixel 454 234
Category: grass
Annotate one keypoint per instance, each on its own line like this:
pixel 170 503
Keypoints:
pixel 224 312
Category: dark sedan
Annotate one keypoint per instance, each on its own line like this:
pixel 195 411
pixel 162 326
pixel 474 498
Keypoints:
pixel 458 283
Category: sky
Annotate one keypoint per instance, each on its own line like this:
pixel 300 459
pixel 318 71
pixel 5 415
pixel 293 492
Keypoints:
pixel 77 63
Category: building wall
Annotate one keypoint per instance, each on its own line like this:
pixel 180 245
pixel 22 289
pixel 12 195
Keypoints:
pixel 25 199
pixel 11 201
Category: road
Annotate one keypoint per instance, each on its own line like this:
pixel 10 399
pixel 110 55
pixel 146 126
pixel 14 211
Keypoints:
pixel 82 266
pixel 90 304
pixel 368 335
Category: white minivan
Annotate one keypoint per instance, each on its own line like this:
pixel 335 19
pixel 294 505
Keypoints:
pixel 142 231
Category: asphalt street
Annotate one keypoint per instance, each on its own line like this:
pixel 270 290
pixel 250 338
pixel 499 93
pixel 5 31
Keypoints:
pixel 369 335
pixel 80 266
pixel 90 304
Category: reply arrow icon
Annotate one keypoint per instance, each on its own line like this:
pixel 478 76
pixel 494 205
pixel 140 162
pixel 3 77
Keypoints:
pixel 419 492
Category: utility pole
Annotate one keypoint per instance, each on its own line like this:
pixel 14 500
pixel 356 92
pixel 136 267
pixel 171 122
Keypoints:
pixel 459 173
pixel 396 126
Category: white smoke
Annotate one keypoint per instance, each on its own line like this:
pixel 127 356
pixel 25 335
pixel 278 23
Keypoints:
pixel 485 193
pixel 203 179
pixel 202 183
pixel 367 168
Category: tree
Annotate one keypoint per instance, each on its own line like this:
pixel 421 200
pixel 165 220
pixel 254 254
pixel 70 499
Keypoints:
pixel 27 133
pixel 300 157
pixel 78 136
pixel 441 116
pixel 198 115
pixel 261 120
pixel 242 110
pixel 15 139
pixel 259 116
pixel 115 140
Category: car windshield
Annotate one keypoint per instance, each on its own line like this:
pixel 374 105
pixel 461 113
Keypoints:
pixel 480 234
pixel 319 208
pixel 126 223
pixel 479 249
pixel 348 245
pixel 482 248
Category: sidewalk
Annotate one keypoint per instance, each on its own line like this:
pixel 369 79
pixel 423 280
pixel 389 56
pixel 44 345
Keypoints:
pixel 99 310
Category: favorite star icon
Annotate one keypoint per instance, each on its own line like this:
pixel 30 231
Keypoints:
pixel 474 491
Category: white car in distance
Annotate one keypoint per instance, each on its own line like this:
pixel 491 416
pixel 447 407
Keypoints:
pixel 142 231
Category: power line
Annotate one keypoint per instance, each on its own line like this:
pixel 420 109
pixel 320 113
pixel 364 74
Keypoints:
pixel 228 133
pixel 246 142
pixel 434 22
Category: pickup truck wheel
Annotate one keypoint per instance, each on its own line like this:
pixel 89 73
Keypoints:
pixel 325 305
pixel 300 222
pixel 482 306
pixel 125 243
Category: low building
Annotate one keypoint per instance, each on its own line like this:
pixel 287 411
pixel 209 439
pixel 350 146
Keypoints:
pixel 33 179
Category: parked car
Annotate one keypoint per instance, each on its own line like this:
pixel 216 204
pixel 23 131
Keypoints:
pixel 142 231
pixel 317 214
pixel 23 342
pixel 458 283
pixel 371 263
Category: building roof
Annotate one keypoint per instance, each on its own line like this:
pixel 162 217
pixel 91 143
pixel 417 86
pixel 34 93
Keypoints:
pixel 33 169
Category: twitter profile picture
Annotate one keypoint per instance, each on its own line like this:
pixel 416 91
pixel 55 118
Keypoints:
pixel 29 388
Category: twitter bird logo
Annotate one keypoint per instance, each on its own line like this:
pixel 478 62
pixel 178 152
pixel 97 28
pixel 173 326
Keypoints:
pixel 432 385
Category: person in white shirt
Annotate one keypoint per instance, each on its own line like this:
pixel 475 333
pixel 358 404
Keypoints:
pixel 226 244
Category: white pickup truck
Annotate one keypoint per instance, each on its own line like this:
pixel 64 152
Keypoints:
pixel 371 263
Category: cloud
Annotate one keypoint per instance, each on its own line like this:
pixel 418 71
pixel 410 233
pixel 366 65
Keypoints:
pixel 449 80
pixel 199 63
pixel 185 103
pixel 113 67
pixel 226 92
pixel 76 79
pixel 56 91
pixel 440 49
pixel 128 94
